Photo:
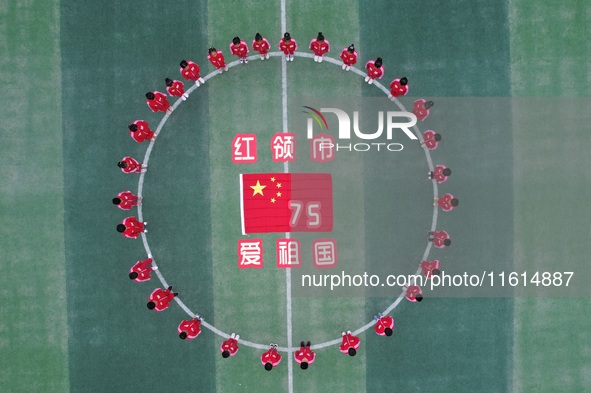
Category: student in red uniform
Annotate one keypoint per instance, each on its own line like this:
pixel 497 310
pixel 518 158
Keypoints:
pixel 375 70
pixel 421 108
pixel 288 46
pixel 349 57
pixel 398 87
pixel 440 239
pixel 176 89
pixel 191 72
pixel 431 139
pixel 350 343
pixel 160 300
pixel 125 200
pixel 271 358
pixel 384 324
pixel 431 268
pixel 304 356
pixel 142 270
pixel 131 228
pixel 319 46
pixel 261 45
pixel 158 102
pixel 230 346
pixel 140 131
pixel 447 202
pixel 239 48
pixel 216 58
pixel 414 293
pixel 130 165
pixel 189 329
pixel 440 173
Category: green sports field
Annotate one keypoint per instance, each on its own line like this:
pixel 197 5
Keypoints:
pixel 75 74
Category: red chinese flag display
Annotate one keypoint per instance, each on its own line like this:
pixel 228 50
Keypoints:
pixel 286 202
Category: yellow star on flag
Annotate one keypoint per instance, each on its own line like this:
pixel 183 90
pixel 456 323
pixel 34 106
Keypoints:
pixel 278 193
pixel 278 185
pixel 273 179
pixel 272 200
pixel 258 189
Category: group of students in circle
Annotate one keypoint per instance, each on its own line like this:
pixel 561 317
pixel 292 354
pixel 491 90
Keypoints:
pixel 191 71
pixel 140 131
pixel 160 299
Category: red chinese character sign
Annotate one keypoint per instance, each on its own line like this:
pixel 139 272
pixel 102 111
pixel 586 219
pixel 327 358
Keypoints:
pixel 322 148
pixel 244 149
pixel 250 253
pixel 324 253
pixel 287 252
pixel 283 147
pixel 286 202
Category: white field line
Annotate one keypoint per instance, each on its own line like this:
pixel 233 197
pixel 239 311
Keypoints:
pixel 288 299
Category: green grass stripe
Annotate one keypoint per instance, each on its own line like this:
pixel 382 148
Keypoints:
pixel 550 48
pixel 552 345
pixel 33 330
pixel 471 251
pixel 112 53
pixel 458 48
pixel 318 316
pixel 551 183
pixel 434 348
pixel 452 49
pixel 248 302
pixel 247 99
pixel 550 57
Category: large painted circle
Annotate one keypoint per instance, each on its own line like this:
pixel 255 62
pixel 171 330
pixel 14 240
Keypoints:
pixel 243 341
